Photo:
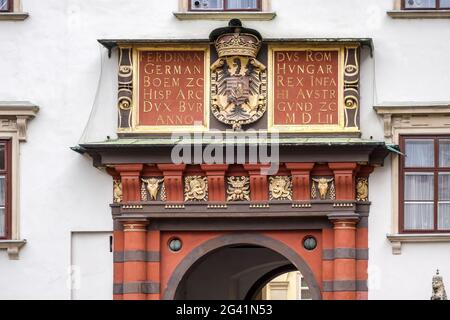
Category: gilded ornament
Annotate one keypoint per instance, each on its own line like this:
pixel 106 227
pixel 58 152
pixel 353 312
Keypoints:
pixel 152 186
pixel 238 80
pixel 195 188
pixel 117 191
pixel 280 188
pixel 125 92
pixel 238 189
pixel 323 185
pixel 362 189
pixel 351 87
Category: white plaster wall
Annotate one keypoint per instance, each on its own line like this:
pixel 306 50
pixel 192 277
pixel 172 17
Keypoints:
pixel 54 60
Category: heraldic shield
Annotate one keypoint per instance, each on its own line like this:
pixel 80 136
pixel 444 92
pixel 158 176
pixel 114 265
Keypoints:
pixel 238 80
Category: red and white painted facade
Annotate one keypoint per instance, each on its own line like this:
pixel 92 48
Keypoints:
pixel 63 204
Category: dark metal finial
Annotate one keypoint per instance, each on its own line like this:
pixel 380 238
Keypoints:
pixel 235 23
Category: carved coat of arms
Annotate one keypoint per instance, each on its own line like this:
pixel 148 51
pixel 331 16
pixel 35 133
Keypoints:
pixel 238 80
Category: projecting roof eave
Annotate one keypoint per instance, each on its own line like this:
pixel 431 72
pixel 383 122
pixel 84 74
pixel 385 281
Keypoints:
pixel 158 150
pixel 364 42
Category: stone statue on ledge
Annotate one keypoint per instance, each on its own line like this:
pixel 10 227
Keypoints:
pixel 438 288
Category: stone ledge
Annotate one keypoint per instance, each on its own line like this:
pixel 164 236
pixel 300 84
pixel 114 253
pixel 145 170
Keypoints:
pixel 419 14
pixel 397 240
pixel 13 16
pixel 224 16
pixel 12 247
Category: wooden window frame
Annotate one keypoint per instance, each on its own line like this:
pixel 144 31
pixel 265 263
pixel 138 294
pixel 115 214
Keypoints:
pixel 7 172
pixel 10 7
pixel 437 7
pixel 225 5
pixel 435 170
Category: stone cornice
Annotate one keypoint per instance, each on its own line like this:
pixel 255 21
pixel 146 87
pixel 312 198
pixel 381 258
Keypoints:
pixel 419 14
pixel 14 116
pixel 390 110
pixel 13 16
pixel 413 108
pixel 256 16
pixel 397 240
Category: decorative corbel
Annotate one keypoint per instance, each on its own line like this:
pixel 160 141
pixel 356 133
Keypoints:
pixel 12 247
pixel 22 127
pixel 387 118
pixel 396 247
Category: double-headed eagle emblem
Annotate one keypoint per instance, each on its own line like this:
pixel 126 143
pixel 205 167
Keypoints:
pixel 238 80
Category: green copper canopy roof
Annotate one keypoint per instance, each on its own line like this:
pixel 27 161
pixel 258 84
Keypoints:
pixel 297 141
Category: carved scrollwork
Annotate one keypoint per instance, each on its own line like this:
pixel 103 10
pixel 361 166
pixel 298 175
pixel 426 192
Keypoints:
pixel 351 88
pixel 125 93
pixel 238 189
pixel 362 189
pixel 195 188
pixel 280 188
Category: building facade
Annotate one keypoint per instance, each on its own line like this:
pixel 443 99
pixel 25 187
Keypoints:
pixel 145 144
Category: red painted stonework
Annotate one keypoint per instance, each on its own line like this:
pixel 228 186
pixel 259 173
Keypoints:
pixel 300 180
pixel 192 240
pixel 135 239
pixel 344 179
pixel 173 181
pixel 216 181
pixel 259 188
pixel 118 238
pixel 137 236
pixel 131 184
pixel 345 268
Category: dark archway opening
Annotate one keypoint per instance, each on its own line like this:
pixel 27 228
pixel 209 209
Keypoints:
pixel 237 272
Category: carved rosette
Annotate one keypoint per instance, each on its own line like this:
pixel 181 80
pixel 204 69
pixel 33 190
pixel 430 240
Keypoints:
pixel 117 191
pixel 362 189
pixel 351 88
pixel 195 188
pixel 125 95
pixel 280 188
pixel 238 80
pixel 323 189
pixel 238 189
pixel 152 188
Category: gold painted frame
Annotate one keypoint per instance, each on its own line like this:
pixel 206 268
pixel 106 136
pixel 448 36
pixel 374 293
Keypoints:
pixel 135 127
pixel 317 128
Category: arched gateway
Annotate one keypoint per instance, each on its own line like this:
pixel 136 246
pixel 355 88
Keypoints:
pixel 203 250
pixel 195 188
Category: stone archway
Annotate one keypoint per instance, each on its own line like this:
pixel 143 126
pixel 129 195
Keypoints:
pixel 209 247
pixel 261 282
